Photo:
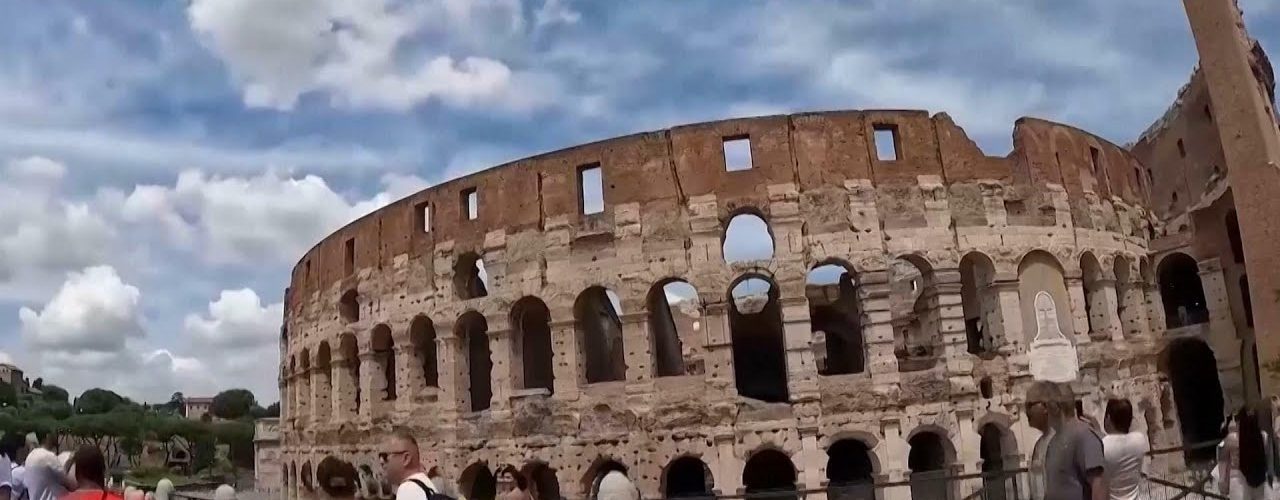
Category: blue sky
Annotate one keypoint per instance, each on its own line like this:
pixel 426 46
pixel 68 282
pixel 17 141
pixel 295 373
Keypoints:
pixel 165 162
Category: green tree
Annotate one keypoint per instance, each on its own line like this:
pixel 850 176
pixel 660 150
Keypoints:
pixel 232 404
pixel 57 410
pixel 54 393
pixel 97 401
pixel 238 436
pixel 273 411
pixel 38 384
pixel 178 404
pixel 8 396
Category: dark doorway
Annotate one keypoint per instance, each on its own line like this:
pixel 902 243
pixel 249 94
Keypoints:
pixel 478 483
pixel 475 331
pixel 543 481
pixel 759 353
pixel 687 477
pixel 769 474
pixel 532 322
pixel 850 471
pixel 996 483
pixel 1193 374
pixel 1181 291
pixel 928 463
pixel 596 317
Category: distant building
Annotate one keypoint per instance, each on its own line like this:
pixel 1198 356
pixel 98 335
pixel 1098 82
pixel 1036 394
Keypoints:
pixel 196 408
pixel 12 375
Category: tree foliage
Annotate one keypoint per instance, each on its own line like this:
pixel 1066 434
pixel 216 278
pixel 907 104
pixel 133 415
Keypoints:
pixel 97 401
pixel 53 393
pixel 8 396
pixel 233 404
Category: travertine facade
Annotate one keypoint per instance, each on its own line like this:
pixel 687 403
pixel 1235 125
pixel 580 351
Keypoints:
pixel 915 359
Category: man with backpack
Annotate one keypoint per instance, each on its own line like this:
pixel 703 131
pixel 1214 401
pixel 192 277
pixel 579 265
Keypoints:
pixel 403 464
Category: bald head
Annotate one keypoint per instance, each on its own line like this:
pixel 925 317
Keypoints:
pixel 400 456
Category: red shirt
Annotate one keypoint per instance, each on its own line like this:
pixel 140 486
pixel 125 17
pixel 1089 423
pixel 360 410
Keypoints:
pixel 91 495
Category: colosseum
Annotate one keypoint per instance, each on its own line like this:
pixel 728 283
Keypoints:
pixel 845 301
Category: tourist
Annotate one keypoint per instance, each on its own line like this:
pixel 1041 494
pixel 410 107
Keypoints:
pixel 444 486
pixel 12 450
pixel 336 478
pixel 1242 461
pixel 1125 451
pixel 615 485
pixel 1067 461
pixel 91 474
pixel 45 477
pixel 512 485
pixel 403 465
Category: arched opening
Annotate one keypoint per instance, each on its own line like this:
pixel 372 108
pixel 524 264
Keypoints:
pixel 1181 291
pixel 984 388
pixel 997 477
pixel 599 327
pixel 531 323
pixel 542 481
pixel 928 463
pixel 323 380
pixel 477 482
pixel 759 355
pixel 384 355
pixel 769 474
pixel 470 280
pixel 835 320
pixel 351 379
pixel 349 307
pixel 474 332
pixel 1246 301
pixel 307 482
pixel 915 313
pixel 979 301
pixel 1233 234
pixel 1095 302
pixel 687 477
pixel 747 239
pixel 1197 394
pixel 596 473
pixel 850 471
pixel 1039 272
pixel 422 335
pixel 675 318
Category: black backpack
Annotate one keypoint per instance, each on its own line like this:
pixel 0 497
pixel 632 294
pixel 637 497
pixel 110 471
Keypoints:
pixel 431 494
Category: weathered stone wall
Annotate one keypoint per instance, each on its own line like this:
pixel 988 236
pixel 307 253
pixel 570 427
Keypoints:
pixel 827 197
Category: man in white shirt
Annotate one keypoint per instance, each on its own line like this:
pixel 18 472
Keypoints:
pixel 403 465
pixel 45 477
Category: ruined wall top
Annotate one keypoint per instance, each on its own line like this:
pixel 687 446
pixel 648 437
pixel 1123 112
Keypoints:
pixel 663 170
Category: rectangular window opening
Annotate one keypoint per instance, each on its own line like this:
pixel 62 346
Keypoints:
pixel 737 153
pixel 1094 159
pixel 349 257
pixel 470 204
pixel 423 213
pixel 886 141
pixel 590 189
pixel 1182 150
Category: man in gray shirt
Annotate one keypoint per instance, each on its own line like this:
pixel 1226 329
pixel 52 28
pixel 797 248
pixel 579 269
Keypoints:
pixel 1072 460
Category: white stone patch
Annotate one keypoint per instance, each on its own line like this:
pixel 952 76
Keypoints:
pixel 1053 357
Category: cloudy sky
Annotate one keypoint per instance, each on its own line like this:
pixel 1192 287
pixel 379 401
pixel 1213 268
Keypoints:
pixel 164 163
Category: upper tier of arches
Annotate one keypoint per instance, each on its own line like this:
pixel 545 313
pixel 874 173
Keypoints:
pixel 594 189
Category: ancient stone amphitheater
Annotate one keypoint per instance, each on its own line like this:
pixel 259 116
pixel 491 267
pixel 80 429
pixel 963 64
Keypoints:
pixel 608 302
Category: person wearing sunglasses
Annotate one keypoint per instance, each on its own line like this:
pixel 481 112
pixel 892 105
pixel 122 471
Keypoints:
pixel 403 465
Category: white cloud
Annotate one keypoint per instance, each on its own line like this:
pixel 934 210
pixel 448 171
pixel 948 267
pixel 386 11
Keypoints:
pixel 40 230
pixel 237 320
pixel 5 358
pixel 94 312
pixel 358 51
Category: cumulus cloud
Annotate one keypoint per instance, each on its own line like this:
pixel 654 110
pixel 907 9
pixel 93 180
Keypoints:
pixel 237 320
pixel 94 311
pixel 357 51
pixel 40 230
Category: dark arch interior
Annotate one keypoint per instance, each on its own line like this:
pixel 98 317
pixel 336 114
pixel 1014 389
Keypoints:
pixel 347 346
pixel 543 481
pixel 422 334
pixel 770 471
pixel 1246 301
pixel 665 322
pixel 1181 292
pixel 759 354
pixel 479 365
pixel 985 388
pixel 1193 374
pixel 479 483
pixel 467 282
pixel 533 322
pixel 833 310
pixel 600 331
pixel 1233 234
pixel 349 307
pixel 306 477
pixel 996 483
pixel 927 461
pixel 687 477
pixel 849 471
pixel 384 354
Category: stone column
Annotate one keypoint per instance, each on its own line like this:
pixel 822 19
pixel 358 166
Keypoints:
pixel 286 402
pixel 370 386
pixel 568 369
pixel 719 352
pixel 452 382
pixel 320 394
pixel 409 380
pixel 1155 309
pixel 893 460
pixel 1079 319
pixel 955 346
pixel 344 390
pixel 728 465
pixel 1133 316
pixel 1110 313
pixel 303 384
pixel 1009 323
pixel 812 462
pixel 501 380
pixel 968 451
pixel 1222 332
pixel 635 341
pixel 802 371
pixel 877 328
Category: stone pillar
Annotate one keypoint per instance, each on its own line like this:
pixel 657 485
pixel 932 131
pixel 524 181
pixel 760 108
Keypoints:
pixel 303 383
pixel 1013 339
pixel 893 460
pixel 409 380
pixel 719 352
pixel 812 461
pixel 321 391
pixel 1075 293
pixel 1222 332
pixel 635 341
pixel 802 371
pixel 955 346
pixel 968 451
pixel 1110 314
pixel 286 402
pixel 1133 316
pixel 344 390
pixel 1155 308
pixel 501 380
pixel 877 328
pixel 370 386
pixel 453 387
pixel 728 465
pixel 568 369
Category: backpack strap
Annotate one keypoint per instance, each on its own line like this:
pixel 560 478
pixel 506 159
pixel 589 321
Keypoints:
pixel 424 487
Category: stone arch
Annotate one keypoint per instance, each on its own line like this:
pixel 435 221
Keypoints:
pixel 979 301
pixel 998 451
pixel 769 473
pixel 323 380
pixel 473 330
pixel 851 470
pixel 422 336
pixel 1233 236
pixel 915 312
pixel 747 237
pixel 675 319
pixel 835 318
pixel 478 483
pixel 1039 271
pixel 349 306
pixel 470 280
pixel 687 476
pixel 599 328
pixel 591 477
pixel 1181 291
pixel 1095 302
pixel 928 460
pixel 350 354
pixel 384 360
pixel 531 344
pixel 757 338
pixel 1197 394
pixel 543 483
pixel 308 481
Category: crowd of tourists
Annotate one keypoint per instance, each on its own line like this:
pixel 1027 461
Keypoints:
pixel 31 470
pixel 1077 459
